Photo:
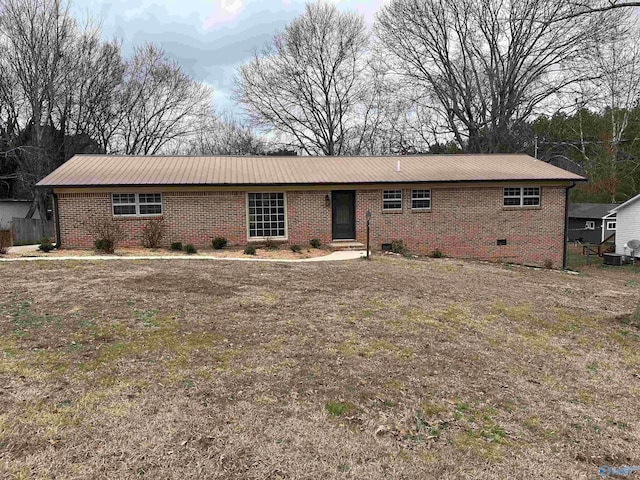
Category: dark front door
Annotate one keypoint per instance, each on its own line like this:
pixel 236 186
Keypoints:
pixel 343 211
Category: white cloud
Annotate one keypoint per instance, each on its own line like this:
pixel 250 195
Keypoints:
pixel 224 11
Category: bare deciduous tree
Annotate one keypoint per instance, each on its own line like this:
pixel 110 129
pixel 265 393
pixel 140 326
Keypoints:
pixel 63 90
pixel 307 83
pixel 617 79
pixel 91 77
pixel 34 35
pixel 613 93
pixel 489 64
pixel 587 7
pixel 160 104
pixel 223 136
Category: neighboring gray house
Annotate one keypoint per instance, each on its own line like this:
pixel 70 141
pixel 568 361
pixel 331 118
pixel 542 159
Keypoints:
pixel 586 223
pixel 10 208
pixel 627 218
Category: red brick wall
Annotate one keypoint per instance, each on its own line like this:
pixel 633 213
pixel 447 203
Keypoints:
pixel 463 222
pixel 190 217
pixel 467 222
pixel 308 216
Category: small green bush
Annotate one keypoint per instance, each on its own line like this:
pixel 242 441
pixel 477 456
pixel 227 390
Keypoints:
pixel 295 248
pixel 315 242
pixel 104 245
pixel 397 246
pixel 189 249
pixel 45 245
pixel 176 246
pixel 250 250
pixel 636 316
pixel 218 243
pixel 270 244
pixel 436 254
pixel 106 232
pixel 152 233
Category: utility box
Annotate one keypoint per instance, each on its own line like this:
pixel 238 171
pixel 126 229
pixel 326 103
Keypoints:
pixel 614 259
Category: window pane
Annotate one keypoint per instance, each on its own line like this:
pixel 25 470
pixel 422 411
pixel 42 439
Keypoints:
pixel 531 201
pixel 421 204
pixel 416 194
pixel 124 209
pixel 392 194
pixel 150 209
pixel 124 198
pixel 150 198
pixel 514 201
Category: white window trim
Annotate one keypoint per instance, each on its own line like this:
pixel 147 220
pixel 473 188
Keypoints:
pixel 522 197
pixel 137 205
pixel 421 209
pixel 286 221
pixel 609 222
pixel 393 200
pixel 590 225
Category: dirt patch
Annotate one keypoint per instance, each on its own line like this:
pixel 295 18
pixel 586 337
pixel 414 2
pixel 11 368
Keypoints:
pixel 390 368
pixel 230 252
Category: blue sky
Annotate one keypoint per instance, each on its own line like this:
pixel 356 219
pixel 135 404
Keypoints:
pixel 209 38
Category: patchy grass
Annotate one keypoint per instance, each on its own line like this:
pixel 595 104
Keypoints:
pixel 577 261
pixel 428 369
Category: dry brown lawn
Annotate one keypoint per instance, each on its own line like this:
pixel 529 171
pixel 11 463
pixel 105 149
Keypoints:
pixel 392 368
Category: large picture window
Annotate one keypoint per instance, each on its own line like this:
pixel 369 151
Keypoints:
pixel 521 197
pixel 136 204
pixel 267 217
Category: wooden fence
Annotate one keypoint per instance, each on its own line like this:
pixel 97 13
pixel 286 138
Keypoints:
pixel 6 238
pixel 31 230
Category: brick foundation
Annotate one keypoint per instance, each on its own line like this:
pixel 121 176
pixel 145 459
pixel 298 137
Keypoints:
pixel 463 222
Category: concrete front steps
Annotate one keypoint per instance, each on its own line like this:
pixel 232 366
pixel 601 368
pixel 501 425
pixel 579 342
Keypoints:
pixel 338 245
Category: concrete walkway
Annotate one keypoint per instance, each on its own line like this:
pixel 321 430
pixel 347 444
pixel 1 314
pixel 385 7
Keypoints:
pixel 23 249
pixel 332 257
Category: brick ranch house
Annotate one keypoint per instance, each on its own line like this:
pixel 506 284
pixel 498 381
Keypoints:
pixel 491 207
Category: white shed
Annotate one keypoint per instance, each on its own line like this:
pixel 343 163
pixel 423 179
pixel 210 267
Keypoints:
pixel 627 218
pixel 10 208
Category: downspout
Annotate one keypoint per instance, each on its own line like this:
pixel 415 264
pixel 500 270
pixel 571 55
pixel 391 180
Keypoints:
pixel 56 214
pixel 566 226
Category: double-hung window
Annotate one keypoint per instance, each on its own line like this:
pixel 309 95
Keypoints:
pixel 420 199
pixel 136 204
pixel 267 217
pixel 391 200
pixel 521 197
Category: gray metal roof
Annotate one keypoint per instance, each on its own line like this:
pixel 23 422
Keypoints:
pixel 625 204
pixel 106 170
pixel 590 210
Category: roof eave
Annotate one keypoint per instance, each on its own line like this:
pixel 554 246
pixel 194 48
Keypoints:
pixel 246 185
pixel 622 205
